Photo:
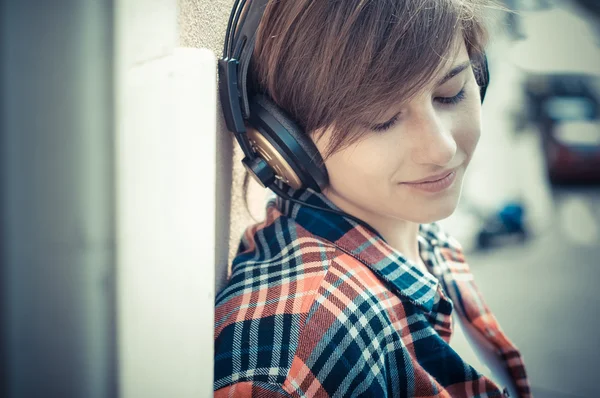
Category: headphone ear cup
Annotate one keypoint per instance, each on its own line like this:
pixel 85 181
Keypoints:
pixel 289 141
pixel 482 75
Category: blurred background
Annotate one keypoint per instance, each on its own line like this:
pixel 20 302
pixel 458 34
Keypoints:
pixel 120 200
pixel 531 215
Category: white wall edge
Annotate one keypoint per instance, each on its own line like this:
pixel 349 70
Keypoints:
pixel 166 184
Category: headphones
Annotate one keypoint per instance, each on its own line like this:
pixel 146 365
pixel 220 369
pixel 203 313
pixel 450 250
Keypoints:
pixel 275 147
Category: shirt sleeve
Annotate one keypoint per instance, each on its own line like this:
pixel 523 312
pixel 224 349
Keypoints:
pixel 254 389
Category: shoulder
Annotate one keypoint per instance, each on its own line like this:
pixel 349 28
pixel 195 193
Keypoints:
pixel 289 294
pixel 260 313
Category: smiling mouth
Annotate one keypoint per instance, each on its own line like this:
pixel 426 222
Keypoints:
pixel 434 186
pixel 435 178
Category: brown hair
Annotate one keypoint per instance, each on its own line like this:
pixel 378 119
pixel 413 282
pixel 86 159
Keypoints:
pixel 343 63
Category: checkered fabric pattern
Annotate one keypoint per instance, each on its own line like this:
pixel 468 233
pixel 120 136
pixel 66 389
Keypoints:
pixel 319 306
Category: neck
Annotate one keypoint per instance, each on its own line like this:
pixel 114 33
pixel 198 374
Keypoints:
pixel 402 235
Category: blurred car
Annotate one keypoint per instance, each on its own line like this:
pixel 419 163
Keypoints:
pixel 565 108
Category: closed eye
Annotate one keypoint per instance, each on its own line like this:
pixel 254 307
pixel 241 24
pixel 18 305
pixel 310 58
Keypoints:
pixel 442 100
pixel 386 125
pixel 452 100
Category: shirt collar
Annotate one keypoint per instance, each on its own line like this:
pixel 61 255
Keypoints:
pixel 365 245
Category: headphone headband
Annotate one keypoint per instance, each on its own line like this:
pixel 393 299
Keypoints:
pixel 239 45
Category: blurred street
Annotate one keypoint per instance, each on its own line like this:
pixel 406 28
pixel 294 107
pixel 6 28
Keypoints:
pixel 544 296
pixel 542 291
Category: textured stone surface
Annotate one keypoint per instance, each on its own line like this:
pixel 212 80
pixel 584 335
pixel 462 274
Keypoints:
pixel 203 24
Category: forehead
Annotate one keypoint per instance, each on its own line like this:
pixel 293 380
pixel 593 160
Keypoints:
pixel 458 54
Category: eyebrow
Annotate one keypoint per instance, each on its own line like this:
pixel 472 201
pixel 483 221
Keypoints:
pixel 455 71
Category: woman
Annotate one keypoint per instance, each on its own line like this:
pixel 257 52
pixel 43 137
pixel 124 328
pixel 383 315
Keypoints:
pixel 319 304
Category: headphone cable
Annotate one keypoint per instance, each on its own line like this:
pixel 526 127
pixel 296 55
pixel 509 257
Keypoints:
pixel 279 192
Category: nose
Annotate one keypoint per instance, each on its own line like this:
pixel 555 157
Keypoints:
pixel 433 142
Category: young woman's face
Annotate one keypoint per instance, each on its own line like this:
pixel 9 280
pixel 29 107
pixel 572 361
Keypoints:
pixel 433 135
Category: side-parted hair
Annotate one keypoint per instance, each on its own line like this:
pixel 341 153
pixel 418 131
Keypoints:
pixel 341 64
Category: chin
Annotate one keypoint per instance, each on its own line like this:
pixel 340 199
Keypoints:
pixel 426 213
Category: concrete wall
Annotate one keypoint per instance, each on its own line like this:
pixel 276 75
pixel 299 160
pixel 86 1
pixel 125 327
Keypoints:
pixel 202 23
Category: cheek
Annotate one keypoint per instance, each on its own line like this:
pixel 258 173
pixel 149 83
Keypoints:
pixel 362 165
pixel 469 127
pixel 470 138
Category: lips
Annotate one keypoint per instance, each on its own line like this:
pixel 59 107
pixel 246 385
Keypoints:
pixel 434 178
pixel 435 186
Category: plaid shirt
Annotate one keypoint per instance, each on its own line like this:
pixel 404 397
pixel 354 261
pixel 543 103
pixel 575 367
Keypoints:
pixel 319 306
